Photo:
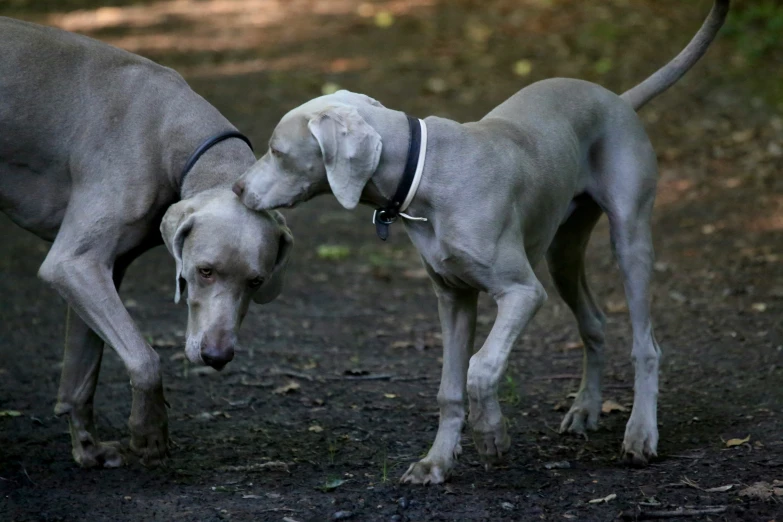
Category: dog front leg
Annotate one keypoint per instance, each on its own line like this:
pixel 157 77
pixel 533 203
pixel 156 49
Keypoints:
pixel 86 284
pixel 457 311
pixel 79 377
pixel 78 380
pixel 517 304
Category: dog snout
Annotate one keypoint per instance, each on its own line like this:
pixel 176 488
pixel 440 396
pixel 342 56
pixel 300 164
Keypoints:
pixel 239 187
pixel 216 357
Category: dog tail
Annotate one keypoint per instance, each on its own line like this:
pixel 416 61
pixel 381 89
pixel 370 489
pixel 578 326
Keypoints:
pixel 667 75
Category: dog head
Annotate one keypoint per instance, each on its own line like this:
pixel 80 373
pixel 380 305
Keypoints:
pixel 322 145
pixel 225 255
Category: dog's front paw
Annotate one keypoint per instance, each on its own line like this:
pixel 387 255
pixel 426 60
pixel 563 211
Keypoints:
pixel 641 440
pixel 427 471
pixel 152 448
pixel 491 438
pixel 583 415
pixel 148 425
pixel 492 444
pixel 98 454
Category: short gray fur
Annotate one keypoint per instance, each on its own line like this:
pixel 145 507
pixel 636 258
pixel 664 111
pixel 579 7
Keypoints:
pixel 93 140
pixel 528 181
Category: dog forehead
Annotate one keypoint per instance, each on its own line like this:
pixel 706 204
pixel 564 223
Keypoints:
pixel 228 231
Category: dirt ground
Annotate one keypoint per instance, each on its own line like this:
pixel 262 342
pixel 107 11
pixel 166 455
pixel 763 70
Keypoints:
pixel 355 338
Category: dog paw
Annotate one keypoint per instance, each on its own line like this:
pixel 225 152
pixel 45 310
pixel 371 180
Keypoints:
pixel 582 416
pixel 425 472
pixel 152 448
pixel 99 455
pixel 492 442
pixel 641 441
pixel 148 425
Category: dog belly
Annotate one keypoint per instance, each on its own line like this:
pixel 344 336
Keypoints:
pixel 36 201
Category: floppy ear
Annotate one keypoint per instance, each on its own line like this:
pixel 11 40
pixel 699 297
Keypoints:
pixel 176 224
pixel 274 285
pixel 351 150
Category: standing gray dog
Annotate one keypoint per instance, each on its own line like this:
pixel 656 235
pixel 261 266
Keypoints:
pixel 95 144
pixel 488 201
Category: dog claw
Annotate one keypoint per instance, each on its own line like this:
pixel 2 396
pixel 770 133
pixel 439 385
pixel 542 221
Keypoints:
pixel 640 442
pixel 492 445
pixel 99 455
pixel 582 416
pixel 425 472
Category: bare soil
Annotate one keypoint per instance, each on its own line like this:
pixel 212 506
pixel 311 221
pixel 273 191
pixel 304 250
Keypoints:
pixel 359 335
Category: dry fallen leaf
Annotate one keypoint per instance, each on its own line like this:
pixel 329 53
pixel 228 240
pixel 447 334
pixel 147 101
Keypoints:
pixel 761 491
pixel 250 382
pixel 720 489
pixel 573 345
pixel 315 428
pixel 416 273
pixel 607 498
pixel 759 307
pixel 737 442
pixel 616 307
pixel 390 395
pixel 290 387
pixel 402 344
pixel 10 413
pixel 609 406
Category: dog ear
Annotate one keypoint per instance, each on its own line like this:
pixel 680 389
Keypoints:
pixel 274 285
pixel 175 227
pixel 351 151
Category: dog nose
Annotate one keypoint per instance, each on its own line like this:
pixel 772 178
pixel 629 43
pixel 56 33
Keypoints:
pixel 217 358
pixel 239 187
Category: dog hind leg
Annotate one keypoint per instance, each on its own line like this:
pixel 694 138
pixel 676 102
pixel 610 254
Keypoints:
pixel 631 176
pixel 565 259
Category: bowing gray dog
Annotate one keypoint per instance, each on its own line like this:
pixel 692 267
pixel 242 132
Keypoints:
pixel 94 143
pixel 486 202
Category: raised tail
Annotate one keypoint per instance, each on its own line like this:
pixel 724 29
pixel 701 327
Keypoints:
pixel 667 75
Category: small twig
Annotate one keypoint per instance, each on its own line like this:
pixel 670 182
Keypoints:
pixel 684 511
pixel 557 376
pixel 550 428
pixel 408 379
pixel 275 465
pixel 290 373
pixel 377 377
pixel 688 482
pixel 28 477
pixel 694 457
pixel 276 509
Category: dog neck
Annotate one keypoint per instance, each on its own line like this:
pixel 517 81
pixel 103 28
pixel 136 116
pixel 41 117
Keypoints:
pixel 196 121
pixel 219 167
pixel 393 128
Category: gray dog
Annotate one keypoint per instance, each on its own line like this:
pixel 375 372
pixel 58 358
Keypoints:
pixel 94 144
pixel 492 198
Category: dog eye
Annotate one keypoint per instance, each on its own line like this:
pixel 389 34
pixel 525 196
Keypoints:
pixel 255 282
pixel 206 273
pixel 274 151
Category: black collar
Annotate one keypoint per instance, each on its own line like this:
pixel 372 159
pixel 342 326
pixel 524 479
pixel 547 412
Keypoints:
pixel 388 214
pixel 205 146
